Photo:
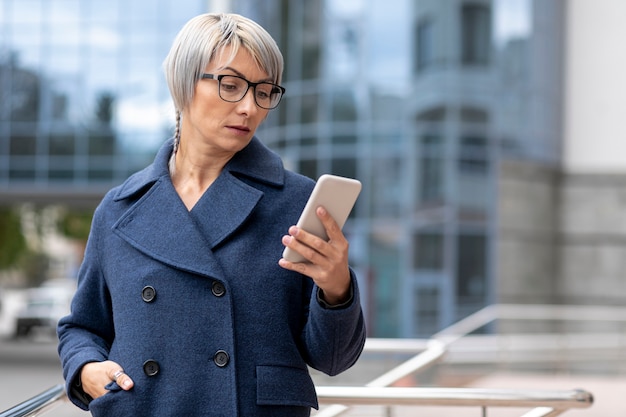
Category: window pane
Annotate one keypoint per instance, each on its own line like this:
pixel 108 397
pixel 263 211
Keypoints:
pixel 424 41
pixel 344 106
pixel 426 311
pixel 385 263
pixel 473 178
pixel 428 250
pixel 346 167
pixel 471 274
pixel 308 167
pixel 386 186
pixel 62 144
pixel 476 34
pixel 308 109
pixel 431 171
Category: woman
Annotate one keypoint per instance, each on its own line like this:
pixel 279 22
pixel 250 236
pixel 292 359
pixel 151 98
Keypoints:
pixel 183 305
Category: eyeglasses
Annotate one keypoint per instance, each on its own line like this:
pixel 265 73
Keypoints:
pixel 233 88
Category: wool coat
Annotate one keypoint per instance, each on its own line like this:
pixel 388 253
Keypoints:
pixel 193 304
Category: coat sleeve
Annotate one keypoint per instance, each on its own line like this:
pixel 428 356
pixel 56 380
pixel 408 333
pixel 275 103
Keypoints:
pixel 85 335
pixel 334 338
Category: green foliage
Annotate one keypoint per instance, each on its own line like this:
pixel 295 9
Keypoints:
pixel 12 242
pixel 76 224
pixel 34 266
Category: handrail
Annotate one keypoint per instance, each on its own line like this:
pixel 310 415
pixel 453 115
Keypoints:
pixel 438 346
pixel 38 404
pixel 455 397
pixel 546 403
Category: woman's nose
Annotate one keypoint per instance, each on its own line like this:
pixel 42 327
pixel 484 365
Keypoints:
pixel 248 104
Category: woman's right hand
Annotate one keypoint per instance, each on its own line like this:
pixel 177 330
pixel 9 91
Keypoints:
pixel 96 375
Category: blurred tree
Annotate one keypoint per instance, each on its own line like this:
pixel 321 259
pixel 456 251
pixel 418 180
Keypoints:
pixel 75 224
pixel 34 267
pixel 12 242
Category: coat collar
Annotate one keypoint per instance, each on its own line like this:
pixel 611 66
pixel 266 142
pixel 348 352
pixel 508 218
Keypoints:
pixel 158 223
pixel 255 161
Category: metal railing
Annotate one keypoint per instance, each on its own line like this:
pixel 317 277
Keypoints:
pixel 431 351
pixel 39 404
pixel 544 403
pixel 547 403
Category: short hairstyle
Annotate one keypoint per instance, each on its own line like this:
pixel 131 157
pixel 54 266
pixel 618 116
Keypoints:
pixel 203 38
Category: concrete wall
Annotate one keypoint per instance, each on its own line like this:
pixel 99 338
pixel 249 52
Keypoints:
pixel 526 251
pixel 561 238
pixel 592 239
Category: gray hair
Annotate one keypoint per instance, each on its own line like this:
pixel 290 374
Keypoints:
pixel 203 39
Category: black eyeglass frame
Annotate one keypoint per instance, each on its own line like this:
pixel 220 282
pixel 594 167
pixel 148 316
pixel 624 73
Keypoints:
pixel 219 77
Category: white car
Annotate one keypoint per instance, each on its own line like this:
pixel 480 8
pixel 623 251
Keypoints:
pixel 44 307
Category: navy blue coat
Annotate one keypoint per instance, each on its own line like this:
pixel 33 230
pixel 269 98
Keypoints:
pixel 193 305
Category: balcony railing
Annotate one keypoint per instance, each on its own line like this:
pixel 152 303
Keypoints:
pixel 337 400
pixel 546 403
pixel 39 404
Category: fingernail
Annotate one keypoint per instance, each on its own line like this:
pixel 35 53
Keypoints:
pixel 127 383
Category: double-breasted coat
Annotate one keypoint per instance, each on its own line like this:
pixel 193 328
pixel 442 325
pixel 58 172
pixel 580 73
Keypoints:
pixel 193 304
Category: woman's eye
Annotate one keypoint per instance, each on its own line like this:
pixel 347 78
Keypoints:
pixel 229 87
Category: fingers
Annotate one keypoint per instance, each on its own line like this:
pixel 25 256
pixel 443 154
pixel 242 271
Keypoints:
pixel 306 245
pixel 95 376
pixel 331 226
pixel 121 379
pixel 328 261
pixel 117 374
pixel 311 246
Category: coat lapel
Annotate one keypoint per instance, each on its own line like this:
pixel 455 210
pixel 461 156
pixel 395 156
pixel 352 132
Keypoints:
pixel 224 207
pixel 159 224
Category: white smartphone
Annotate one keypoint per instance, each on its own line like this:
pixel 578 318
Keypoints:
pixel 338 196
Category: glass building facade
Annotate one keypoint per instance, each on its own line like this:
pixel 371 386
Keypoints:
pixel 419 99
pixel 84 102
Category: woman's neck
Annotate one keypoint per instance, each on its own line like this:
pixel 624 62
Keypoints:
pixel 193 173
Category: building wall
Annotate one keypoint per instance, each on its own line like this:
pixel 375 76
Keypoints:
pixel 593 192
pixel 561 237
pixel 595 132
pixel 527 257
pixel 562 229
pixel 593 239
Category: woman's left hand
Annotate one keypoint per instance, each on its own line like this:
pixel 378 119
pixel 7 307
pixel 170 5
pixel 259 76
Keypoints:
pixel 328 261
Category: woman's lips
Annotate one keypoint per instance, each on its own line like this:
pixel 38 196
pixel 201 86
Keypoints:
pixel 242 130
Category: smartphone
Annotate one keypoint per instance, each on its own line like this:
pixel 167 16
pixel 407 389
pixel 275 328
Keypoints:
pixel 338 196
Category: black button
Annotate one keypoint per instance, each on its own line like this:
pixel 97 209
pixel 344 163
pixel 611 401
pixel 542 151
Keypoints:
pixel 148 294
pixel 218 289
pixel 221 358
pixel 151 367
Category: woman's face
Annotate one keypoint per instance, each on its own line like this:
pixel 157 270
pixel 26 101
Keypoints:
pixel 222 127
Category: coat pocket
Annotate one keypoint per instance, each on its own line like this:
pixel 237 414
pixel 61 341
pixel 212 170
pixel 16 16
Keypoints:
pixel 107 405
pixel 285 385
